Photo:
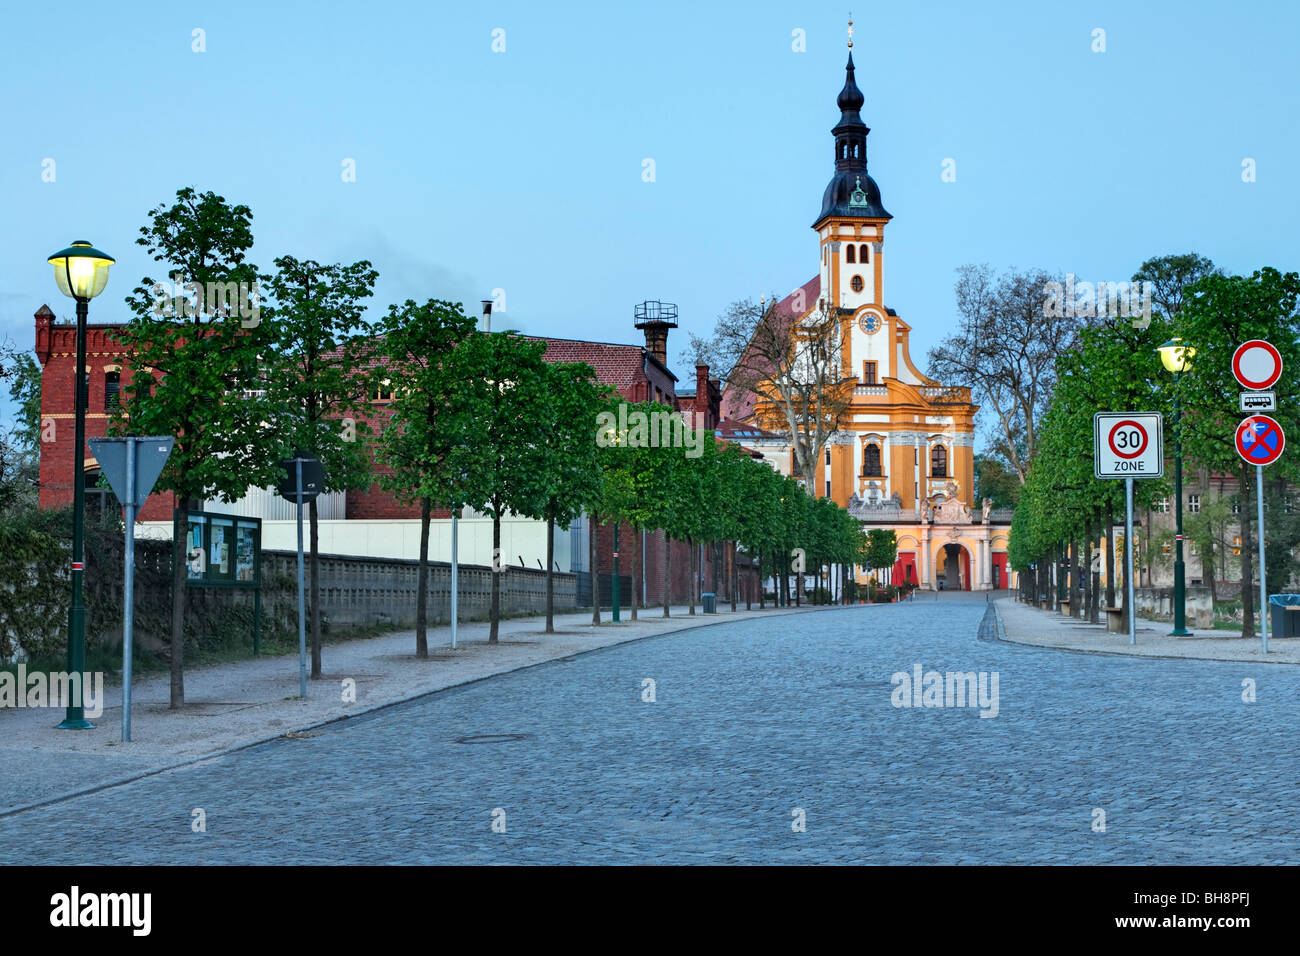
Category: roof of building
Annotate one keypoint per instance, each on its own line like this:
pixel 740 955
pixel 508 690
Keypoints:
pixel 619 365
pixel 851 192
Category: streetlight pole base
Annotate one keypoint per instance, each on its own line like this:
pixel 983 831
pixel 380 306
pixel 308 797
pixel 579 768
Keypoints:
pixel 1181 632
pixel 75 723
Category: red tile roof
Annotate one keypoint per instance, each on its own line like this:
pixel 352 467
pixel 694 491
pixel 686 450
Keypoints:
pixel 622 366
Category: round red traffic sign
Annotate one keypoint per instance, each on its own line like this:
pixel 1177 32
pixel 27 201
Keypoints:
pixel 1260 440
pixel 1127 439
pixel 1256 364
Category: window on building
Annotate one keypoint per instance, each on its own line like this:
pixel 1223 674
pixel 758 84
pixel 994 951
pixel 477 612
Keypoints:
pixel 1193 504
pixel 939 462
pixel 869 373
pixel 871 462
pixel 851 255
pixel 112 390
pixel 828 456
pixel 856 283
pixel 863 251
pixel 828 487
pixel 383 392
pixel 1163 506
pixel 1236 546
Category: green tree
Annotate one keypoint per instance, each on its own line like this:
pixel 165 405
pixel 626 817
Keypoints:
pixel 1217 314
pixel 503 397
pixel 197 373
pixel 318 334
pixel 562 461
pixel 416 363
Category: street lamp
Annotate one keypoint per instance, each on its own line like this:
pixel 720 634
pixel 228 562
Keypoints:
pixel 81 272
pixel 1177 359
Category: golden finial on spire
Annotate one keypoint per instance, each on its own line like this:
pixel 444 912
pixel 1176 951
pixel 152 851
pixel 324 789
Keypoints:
pixel 850 29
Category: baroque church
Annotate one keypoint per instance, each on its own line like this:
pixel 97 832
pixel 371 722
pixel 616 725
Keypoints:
pixel 902 457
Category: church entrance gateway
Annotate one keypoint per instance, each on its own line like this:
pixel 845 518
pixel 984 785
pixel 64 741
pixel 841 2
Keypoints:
pixel 952 568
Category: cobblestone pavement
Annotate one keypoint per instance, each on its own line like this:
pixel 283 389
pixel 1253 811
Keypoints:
pixel 752 721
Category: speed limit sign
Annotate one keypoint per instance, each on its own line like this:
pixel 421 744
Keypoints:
pixel 1128 445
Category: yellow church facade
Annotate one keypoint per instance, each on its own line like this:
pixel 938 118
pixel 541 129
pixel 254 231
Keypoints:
pixel 903 455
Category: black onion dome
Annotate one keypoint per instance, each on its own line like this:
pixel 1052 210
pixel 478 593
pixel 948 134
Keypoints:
pixel 851 192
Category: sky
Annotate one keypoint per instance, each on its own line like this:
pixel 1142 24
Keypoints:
pixel 523 168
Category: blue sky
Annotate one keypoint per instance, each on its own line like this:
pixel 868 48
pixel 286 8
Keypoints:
pixel 522 170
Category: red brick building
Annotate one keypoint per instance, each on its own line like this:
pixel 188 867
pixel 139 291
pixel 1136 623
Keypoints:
pixel 638 372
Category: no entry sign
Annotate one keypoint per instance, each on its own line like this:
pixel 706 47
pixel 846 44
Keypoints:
pixel 1257 364
pixel 1260 440
pixel 1128 445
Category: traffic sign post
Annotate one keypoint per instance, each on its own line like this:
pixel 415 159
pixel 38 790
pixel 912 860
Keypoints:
pixel 1260 441
pixel 132 466
pixel 1128 445
pixel 303 481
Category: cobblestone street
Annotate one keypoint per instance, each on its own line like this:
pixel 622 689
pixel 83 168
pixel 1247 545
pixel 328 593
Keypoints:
pixel 752 722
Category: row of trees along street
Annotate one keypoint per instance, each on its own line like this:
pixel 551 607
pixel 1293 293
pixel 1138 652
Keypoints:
pixel 1040 378
pixel 470 420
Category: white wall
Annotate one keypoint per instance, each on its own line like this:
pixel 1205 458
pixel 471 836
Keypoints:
pixel 393 538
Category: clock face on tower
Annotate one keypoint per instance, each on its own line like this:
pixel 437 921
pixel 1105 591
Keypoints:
pixel 869 323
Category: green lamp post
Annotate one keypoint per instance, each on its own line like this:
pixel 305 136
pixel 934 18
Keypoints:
pixel 1177 358
pixel 81 272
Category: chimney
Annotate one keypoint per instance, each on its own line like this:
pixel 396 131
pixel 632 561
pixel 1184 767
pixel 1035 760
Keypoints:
pixel 656 318
pixel 44 319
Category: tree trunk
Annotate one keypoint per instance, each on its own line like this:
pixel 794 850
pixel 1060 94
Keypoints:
pixel 550 575
pixel 690 545
pixel 667 580
pixel 422 584
pixel 1075 584
pixel 180 542
pixel 314 593
pixel 733 582
pixel 594 552
pixel 637 570
pixel 498 568
pixel 1110 557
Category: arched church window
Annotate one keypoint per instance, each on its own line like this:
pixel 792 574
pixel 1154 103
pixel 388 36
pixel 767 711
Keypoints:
pixel 938 462
pixel 871 461
pixel 864 254
pixel 850 257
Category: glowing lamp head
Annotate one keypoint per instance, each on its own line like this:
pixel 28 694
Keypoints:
pixel 1175 356
pixel 81 270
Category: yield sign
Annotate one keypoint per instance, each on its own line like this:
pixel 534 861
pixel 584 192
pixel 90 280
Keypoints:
pixel 1257 364
pixel 1260 440
pixel 150 455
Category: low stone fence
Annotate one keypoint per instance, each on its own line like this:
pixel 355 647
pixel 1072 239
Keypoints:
pixel 1158 603
pixel 368 591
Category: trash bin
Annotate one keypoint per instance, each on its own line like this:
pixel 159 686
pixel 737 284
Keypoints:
pixel 710 602
pixel 1284 622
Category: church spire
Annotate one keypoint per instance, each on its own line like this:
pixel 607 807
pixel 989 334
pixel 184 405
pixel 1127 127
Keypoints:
pixel 851 192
